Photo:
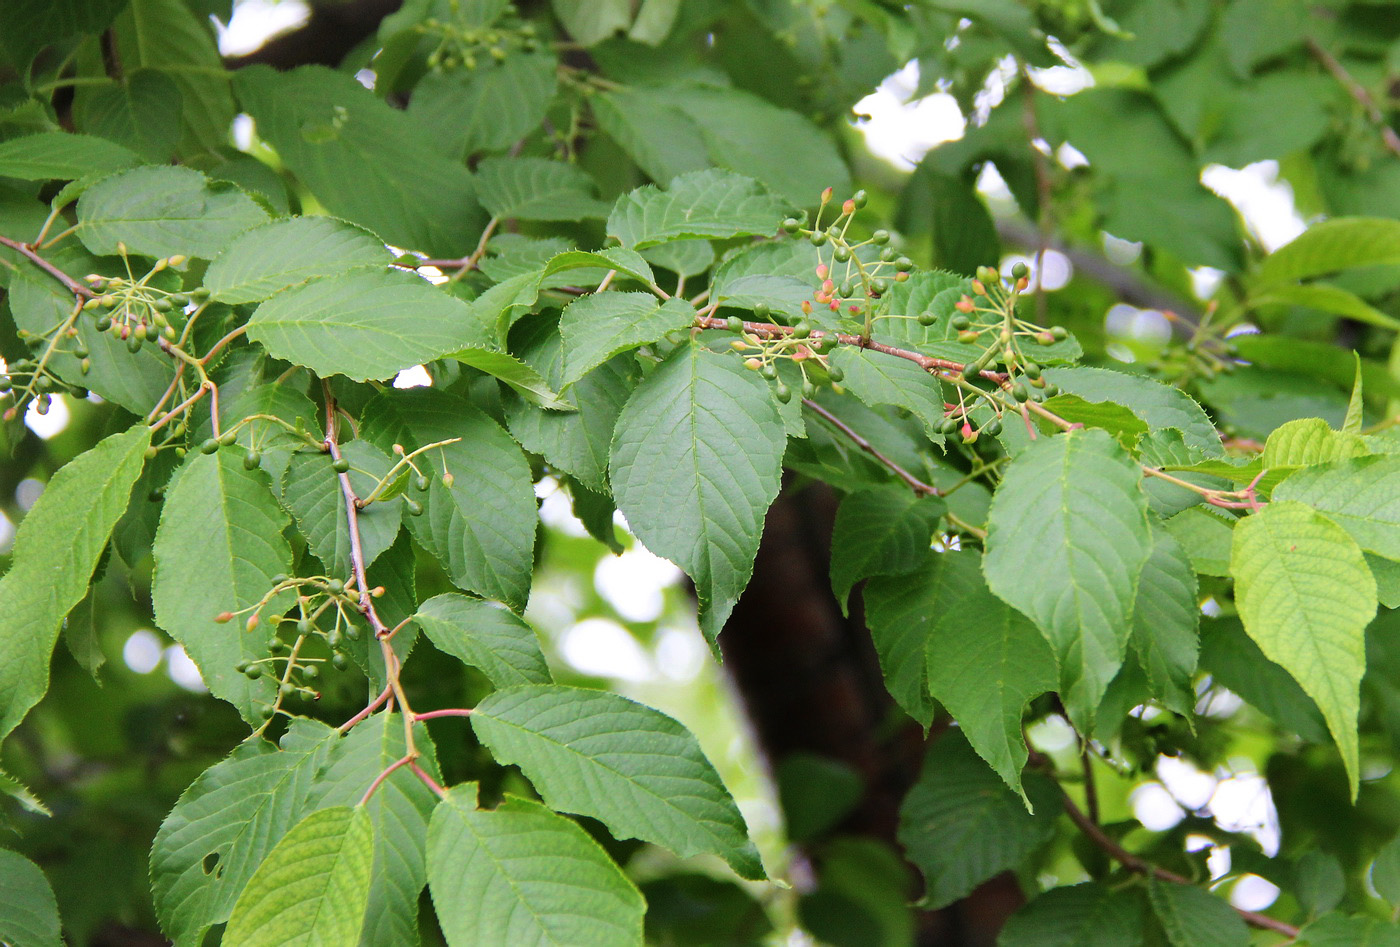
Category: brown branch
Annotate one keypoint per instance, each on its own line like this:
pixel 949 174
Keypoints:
pixel 1358 92
pixel 1143 867
pixel 28 252
pixel 918 486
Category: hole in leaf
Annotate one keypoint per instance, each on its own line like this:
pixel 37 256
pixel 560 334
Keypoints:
pixel 210 862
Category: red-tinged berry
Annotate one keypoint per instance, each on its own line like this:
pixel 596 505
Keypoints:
pixel 849 207
pixel 979 288
pixel 252 622
pixel 965 304
pixel 822 270
pixel 224 618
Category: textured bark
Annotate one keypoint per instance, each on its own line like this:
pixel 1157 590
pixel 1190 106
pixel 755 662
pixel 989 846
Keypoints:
pixel 811 683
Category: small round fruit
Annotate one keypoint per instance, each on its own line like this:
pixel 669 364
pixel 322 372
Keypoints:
pixel 1059 333
pixel 422 483
pixel 209 446
pixel 791 225
pixel 835 373
pixel 252 460
pixel 734 324
pixel 340 465
pixel 961 322
pixel 809 390
pixel 252 672
pixel 782 392
pixel 339 661
pixel 310 672
pixel 769 371
pixel 818 238
pixel 414 507
pixel 927 318
pixel 880 237
pixel 1020 271
pixel 993 427
pixel 228 438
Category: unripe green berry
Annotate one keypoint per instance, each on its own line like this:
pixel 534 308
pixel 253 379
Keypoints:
pixel 310 672
pixel 266 711
pixel 335 586
pixel 414 507
pixel 927 318
pixel 993 427
pixel 734 324
pixel 1020 271
pixel 802 329
pixel 304 626
pixel 880 237
pixel 960 322
pixel 1030 370
pixel 252 460
pixel 859 198
pixel 340 465
pixel 809 390
pixel 339 661
pixel 782 392
pixel 792 225
pixel 762 312
pixel 835 373
pixel 253 672
pixel 209 446
pixel 1059 333
pixel 422 483
pixel 228 438
pixel 818 238
pixel 769 371
pixel 889 255
pixel 841 254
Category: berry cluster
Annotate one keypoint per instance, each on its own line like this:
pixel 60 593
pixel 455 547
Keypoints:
pixel 136 309
pixel 462 44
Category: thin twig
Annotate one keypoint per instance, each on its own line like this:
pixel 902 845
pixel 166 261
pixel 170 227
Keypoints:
pixel 428 780
pixel 918 486
pixel 378 780
pixel 1141 866
pixel 370 708
pixel 452 712
pixel 1091 789
pixel 26 251
pixel 1358 92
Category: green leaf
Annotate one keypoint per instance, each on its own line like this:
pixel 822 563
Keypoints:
pixel 1332 245
pixel 879 379
pixel 271 258
pixel 1306 441
pixel 521 377
pixel 160 211
pixel 960 825
pixel 141 110
pixel 399 812
pixel 1324 297
pixel 1361 495
pixel 1205 538
pixel 485 636
pixel 170 38
pixel 590 23
pixel 779 148
pixel 28 911
pixel 217 548
pixel 633 768
pixel 1336 930
pixel 311 492
pixel 1234 661
pixel 1072 502
pixel 362 324
pixel 27 26
pixel 576 442
pixel 488 108
pixel 663 140
pixel 627 262
pixel 313 886
pixel 537 189
pixel 56 549
pixel 1319 882
pixel 1082 915
pixel 1385 871
pixel 482 527
pixel 351 150
pixel 1165 617
pixel 521 874
pixel 1356 407
pixel 700 204
pixel 1306 596
pixel 597 327
pixel 884 531
pixel 696 461
pixel 61 156
pixel 941 632
pixel 1161 406
pixel 1193 917
pixel 1125 426
pixel 227 821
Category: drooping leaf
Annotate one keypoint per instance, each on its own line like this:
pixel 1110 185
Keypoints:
pixel 575 442
pixel 485 636
pixel 313 886
pixel 1233 660
pixel 1074 504
pixel 700 204
pixel 1361 495
pixel 1306 596
pixel 1114 418
pixel 1082 915
pixel 1319 881
pixel 62 156
pixel 597 327
pixel 961 825
pixel 1305 441
pixel 877 379
pixel 1326 298
pixel 941 632
pixel 28 910
pixel 1165 617
pixel 522 378
pixel 162 210
pixel 590 23
pixel 398 811
pixel 351 150
pixel 1192 917
pixel 270 258
pixel 1332 245
pixel 696 460
pixel 56 549
pixel 633 768
pixel 311 491
pixel 1385 871
pixel 362 324
pixel 227 821
pixel 1161 406
pixel 217 548
pixel 521 874
pixel 884 531
pixel 482 527
pixel 537 189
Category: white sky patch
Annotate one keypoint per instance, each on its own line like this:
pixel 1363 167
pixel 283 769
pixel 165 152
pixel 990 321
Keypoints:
pixel 1265 202
pixel 680 653
pixel 902 129
pixel 1243 803
pixel 603 647
pixel 254 22
pixel 182 670
pixel 1188 785
pixel 53 422
pixel 1141 325
pixel 7 533
pixel 1154 807
pixel 556 511
pixel 1252 893
pixel 634 582
pixel 1058 269
pixel 1205 280
pixel 142 651
pixel 415 377
pixel 27 493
